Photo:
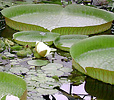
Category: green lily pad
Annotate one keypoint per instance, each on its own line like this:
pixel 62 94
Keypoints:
pixel 16 48
pixel 8 54
pixel 38 62
pixel 24 52
pixel 54 73
pixel 94 56
pixel 12 85
pixel 2 44
pixel 30 37
pixel 47 91
pixel 42 79
pixel 19 70
pixel 66 69
pixel 9 42
pixel 73 19
pixel 64 42
pixel 52 66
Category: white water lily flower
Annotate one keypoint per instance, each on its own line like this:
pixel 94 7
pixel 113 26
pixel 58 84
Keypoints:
pixel 42 49
pixel 11 97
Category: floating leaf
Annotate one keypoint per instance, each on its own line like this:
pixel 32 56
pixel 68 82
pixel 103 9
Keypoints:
pixel 52 66
pixel 9 42
pixel 64 42
pixel 24 52
pixel 30 37
pixel 73 19
pixel 19 70
pixel 38 62
pixel 54 73
pixel 46 86
pixel 66 69
pixel 11 84
pixel 94 56
pixel 16 48
pixel 2 44
pixel 46 91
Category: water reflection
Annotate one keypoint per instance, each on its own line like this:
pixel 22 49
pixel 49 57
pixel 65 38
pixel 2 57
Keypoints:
pixel 99 89
pixel 91 89
pixel 7 32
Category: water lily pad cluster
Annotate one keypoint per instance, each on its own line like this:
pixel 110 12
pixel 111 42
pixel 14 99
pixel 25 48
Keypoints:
pixel 40 75
pixel 44 81
pixel 63 42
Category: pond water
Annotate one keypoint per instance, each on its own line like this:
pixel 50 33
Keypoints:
pixel 70 85
pixel 55 20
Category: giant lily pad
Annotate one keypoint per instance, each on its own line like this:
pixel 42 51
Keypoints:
pixel 30 37
pixel 64 42
pixel 94 56
pixel 73 19
pixel 12 85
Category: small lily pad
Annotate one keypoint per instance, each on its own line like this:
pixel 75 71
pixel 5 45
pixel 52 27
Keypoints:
pixel 2 44
pixel 11 55
pixel 54 73
pixel 30 37
pixel 46 86
pixel 64 42
pixel 16 48
pixel 38 62
pixel 24 52
pixel 46 91
pixel 42 79
pixel 52 66
pixel 66 69
pixel 19 70
pixel 9 42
